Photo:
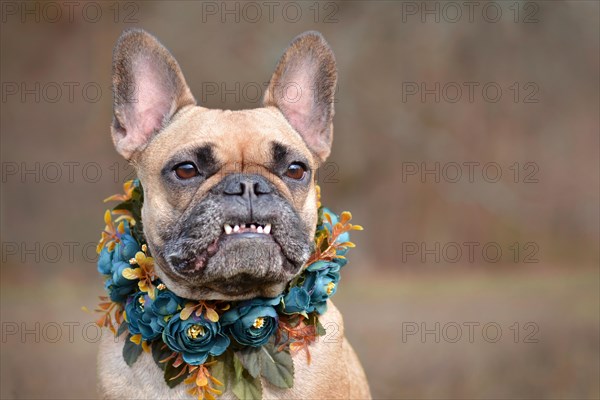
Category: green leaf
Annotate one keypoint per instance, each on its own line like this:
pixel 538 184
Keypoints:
pixel 250 359
pixel 277 367
pixel 238 368
pixel 320 329
pixel 160 351
pixel 136 195
pixel 231 372
pixel 313 320
pixel 247 387
pixel 171 372
pixel 224 370
pixel 122 328
pixel 126 205
pixel 138 231
pixel 217 370
pixel 294 320
pixel 131 351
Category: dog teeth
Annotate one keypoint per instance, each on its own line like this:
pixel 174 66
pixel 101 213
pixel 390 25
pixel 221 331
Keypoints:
pixel 255 228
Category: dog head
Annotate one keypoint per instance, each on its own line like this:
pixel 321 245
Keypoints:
pixel 229 196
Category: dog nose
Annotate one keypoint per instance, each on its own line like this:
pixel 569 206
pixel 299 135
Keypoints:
pixel 246 185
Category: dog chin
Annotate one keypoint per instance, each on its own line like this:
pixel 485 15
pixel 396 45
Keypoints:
pixel 233 267
pixel 231 292
pixel 237 287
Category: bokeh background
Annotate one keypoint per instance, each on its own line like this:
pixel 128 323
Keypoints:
pixel 405 278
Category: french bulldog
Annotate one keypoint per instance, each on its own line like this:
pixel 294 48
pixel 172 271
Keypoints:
pixel 230 204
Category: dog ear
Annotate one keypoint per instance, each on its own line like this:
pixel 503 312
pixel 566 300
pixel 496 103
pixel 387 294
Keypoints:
pixel 148 89
pixel 302 88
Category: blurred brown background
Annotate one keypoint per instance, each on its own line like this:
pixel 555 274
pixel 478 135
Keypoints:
pixel 404 108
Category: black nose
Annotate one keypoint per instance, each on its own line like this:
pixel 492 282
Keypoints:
pixel 246 185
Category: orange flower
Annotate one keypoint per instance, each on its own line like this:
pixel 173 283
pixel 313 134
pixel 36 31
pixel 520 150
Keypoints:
pixel 127 188
pixel 201 379
pixel 110 233
pixel 144 271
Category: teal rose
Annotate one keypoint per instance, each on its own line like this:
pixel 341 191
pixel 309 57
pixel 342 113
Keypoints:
pixel 297 300
pixel 112 263
pixel 126 248
pixel 165 305
pixel 123 251
pixel 148 325
pixel 252 322
pixel 141 317
pixel 149 317
pixel 105 262
pixel 117 293
pixel 134 309
pixel 195 338
pixel 321 281
pixel 117 285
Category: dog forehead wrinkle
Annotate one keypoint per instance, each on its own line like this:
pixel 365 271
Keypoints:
pixel 279 153
pixel 203 150
pixel 231 131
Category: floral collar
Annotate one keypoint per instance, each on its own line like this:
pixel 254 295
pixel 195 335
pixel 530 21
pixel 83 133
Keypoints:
pixel 214 345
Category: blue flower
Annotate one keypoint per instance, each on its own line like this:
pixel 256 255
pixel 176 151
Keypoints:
pixel 119 282
pixel 134 310
pixel 252 322
pixel 123 251
pixel 165 305
pixel 117 274
pixel 141 317
pixel 112 264
pixel 118 294
pixel 149 325
pixel 297 300
pixel 322 278
pixel 195 338
pixel 105 262
pixel 117 286
pixel 126 248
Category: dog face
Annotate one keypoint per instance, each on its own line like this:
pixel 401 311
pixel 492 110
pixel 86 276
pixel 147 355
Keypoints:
pixel 229 196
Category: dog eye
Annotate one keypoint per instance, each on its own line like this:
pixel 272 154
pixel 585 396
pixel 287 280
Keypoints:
pixel 296 171
pixel 186 170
